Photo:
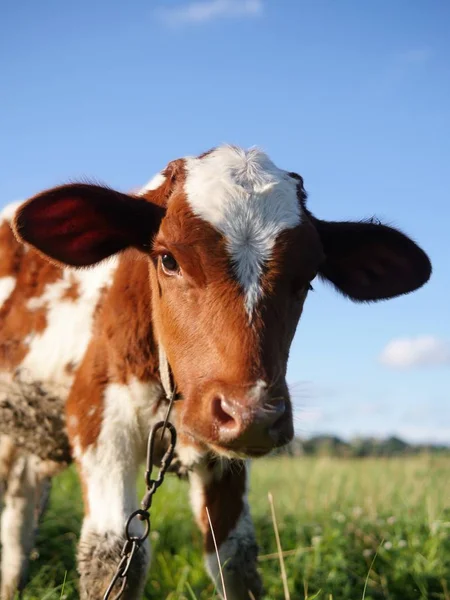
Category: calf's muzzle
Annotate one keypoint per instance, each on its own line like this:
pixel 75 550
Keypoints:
pixel 248 420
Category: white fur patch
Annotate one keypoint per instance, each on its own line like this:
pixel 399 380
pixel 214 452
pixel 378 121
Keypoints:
pixel 69 323
pixel 250 201
pixel 18 522
pixel 110 466
pixel 197 494
pixel 76 447
pixel 258 390
pixel 72 422
pixel 189 455
pixel 199 478
pixel 7 285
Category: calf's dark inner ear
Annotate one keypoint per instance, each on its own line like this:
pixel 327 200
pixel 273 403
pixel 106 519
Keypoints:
pixel 368 261
pixel 81 224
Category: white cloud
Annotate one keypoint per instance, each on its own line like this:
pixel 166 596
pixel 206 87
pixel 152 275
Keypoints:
pixel 208 10
pixel 422 351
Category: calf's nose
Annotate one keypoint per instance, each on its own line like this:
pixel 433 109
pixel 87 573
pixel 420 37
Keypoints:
pixel 253 424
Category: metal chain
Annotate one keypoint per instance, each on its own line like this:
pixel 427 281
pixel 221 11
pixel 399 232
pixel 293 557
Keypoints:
pixel 134 542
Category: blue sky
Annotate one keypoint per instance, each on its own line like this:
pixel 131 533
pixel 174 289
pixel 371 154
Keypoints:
pixel 353 95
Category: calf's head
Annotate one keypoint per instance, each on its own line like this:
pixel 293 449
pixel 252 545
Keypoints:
pixel 232 250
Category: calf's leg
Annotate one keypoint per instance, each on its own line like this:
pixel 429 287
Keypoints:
pixel 26 491
pixel 8 452
pixel 222 489
pixel 108 470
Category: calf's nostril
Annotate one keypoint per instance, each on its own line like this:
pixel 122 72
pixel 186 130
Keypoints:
pixel 223 412
pixel 276 410
pixel 280 407
pixel 277 416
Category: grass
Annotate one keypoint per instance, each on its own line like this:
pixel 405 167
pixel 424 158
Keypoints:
pixel 349 530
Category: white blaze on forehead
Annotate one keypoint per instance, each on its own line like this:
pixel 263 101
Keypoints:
pixel 250 201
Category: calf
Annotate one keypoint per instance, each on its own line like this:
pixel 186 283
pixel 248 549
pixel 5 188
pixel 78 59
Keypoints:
pixel 200 277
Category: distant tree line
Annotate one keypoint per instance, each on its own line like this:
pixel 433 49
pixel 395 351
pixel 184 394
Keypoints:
pixel 330 445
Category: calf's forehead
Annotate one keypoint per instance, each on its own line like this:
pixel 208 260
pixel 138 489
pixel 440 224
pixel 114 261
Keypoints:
pixel 248 200
pixel 229 186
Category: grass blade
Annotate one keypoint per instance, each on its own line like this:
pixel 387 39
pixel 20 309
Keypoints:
pixel 280 550
pixel 370 568
pixel 217 554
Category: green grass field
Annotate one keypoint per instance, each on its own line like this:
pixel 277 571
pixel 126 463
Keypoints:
pixel 335 517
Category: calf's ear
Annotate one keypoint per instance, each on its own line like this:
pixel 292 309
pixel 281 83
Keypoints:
pixel 81 224
pixel 368 261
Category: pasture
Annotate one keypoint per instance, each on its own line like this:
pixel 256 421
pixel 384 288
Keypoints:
pixel 350 529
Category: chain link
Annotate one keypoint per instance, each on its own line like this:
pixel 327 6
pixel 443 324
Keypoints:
pixel 134 542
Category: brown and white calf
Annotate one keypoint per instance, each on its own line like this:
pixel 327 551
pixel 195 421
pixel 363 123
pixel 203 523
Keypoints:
pixel 207 268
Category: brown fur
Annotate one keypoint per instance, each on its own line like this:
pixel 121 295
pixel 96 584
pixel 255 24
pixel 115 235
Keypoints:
pixel 224 499
pixel 86 397
pixel 72 292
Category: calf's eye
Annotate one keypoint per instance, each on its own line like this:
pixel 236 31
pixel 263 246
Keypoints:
pixel 169 264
